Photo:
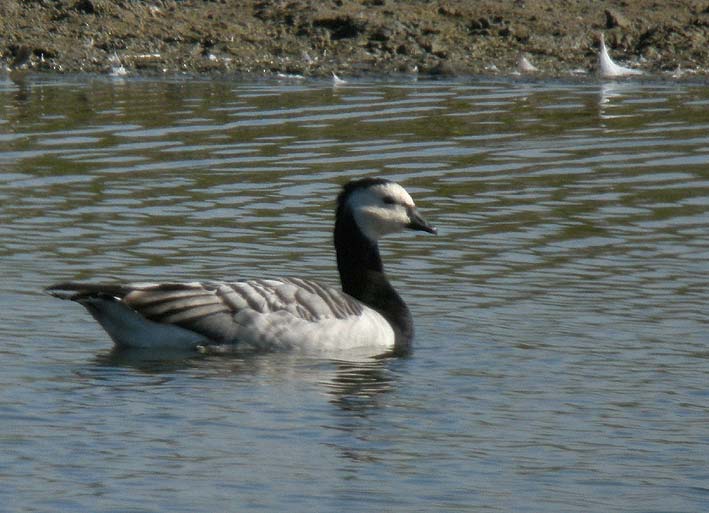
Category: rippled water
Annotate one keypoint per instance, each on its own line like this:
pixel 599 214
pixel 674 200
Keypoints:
pixel 562 355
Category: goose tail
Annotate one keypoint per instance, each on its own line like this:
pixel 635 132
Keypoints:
pixel 77 291
pixel 127 327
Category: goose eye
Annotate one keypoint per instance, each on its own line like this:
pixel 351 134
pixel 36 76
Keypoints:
pixel 388 200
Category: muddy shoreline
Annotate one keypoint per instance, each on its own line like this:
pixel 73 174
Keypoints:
pixel 352 37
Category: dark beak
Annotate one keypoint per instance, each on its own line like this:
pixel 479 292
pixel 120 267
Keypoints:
pixel 416 222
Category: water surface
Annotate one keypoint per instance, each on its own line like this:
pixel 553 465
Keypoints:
pixel 562 351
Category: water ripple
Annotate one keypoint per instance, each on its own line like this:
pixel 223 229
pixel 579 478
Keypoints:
pixel 561 347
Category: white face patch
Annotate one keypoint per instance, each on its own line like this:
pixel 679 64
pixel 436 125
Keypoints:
pixel 381 209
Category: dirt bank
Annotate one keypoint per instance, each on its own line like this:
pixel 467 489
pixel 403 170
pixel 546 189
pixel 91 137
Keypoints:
pixel 312 37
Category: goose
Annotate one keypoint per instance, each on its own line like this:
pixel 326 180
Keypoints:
pixel 367 314
pixel 609 68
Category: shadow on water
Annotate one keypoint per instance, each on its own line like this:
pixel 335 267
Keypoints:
pixel 149 361
pixel 351 385
pixel 356 387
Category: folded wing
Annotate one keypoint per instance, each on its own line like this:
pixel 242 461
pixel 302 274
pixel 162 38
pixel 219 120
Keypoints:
pixel 265 314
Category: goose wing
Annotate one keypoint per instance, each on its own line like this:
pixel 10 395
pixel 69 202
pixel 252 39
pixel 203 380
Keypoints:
pixel 286 312
pixel 217 309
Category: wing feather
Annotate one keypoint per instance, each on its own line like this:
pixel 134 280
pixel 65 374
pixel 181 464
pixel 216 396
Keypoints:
pixel 155 295
pixel 231 298
pixel 253 299
pixel 193 313
pixel 304 299
pixel 166 306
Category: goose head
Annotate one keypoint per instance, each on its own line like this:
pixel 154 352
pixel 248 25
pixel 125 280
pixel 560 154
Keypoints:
pixel 380 207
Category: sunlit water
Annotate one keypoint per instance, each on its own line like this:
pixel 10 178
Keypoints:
pixel 562 351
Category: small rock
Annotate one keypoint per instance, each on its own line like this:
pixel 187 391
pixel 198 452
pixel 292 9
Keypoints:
pixel 439 48
pixel 615 19
pixel 447 10
pixel 650 53
pixel 440 69
pixel 409 49
pixel 521 33
pixel 85 6
pixel 480 24
pixel 381 33
pixel 21 57
pixel 9 8
pixel 702 20
pixel 344 27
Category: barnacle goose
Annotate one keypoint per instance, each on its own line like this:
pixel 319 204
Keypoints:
pixel 270 314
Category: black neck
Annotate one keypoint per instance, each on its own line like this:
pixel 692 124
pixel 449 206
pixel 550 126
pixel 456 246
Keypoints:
pixel 362 277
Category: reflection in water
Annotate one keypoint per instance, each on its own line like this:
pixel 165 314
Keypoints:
pixel 148 361
pixel 354 386
pixel 610 98
pixel 357 387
